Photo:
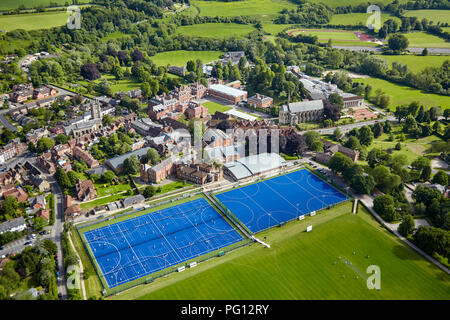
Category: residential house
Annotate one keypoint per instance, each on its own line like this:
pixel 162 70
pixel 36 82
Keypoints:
pixel 85 190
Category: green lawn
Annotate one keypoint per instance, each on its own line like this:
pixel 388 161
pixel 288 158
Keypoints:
pixel 411 148
pixel 105 189
pixel 103 201
pixel 302 265
pixel 404 95
pixel 216 30
pixel 417 63
pixel 273 28
pixel 33 21
pixel 422 40
pixel 242 8
pixel 354 19
pixel 14 4
pixel 214 106
pixel 431 15
pixel 114 35
pixel 181 57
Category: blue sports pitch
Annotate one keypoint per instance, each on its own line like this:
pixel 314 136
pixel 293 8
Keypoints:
pixel 133 248
pixel 268 203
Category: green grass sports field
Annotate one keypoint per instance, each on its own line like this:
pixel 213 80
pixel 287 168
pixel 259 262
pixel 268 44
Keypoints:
pixel 242 8
pixel 14 4
pixel 181 57
pixel 33 21
pixel 404 95
pixel 216 30
pixel 302 265
pixel 214 106
pixel 422 39
pixel 431 15
pixel 417 63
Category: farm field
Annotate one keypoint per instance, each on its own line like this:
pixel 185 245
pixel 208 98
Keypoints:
pixel 303 265
pixel 214 106
pixel 417 63
pixel 181 57
pixel 357 18
pixel 216 30
pixel 325 34
pixel 339 3
pixel 422 39
pixel 273 28
pixel 33 21
pixel 242 8
pixel 431 15
pixel 404 95
pixel 14 4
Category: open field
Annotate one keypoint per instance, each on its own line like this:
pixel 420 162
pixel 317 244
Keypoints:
pixel 214 106
pixel 14 4
pixel 242 8
pixel 216 30
pixel 181 57
pixel 325 34
pixel 33 21
pixel 273 28
pixel 422 40
pixel 114 35
pixel 354 19
pixel 404 95
pixel 303 265
pixel 340 3
pixel 417 63
pixel 431 15
pixel 411 148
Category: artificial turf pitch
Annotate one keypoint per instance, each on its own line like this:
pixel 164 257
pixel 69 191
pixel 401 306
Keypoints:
pixel 268 203
pixel 140 246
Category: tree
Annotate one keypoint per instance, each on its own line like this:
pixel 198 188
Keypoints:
pixel 363 184
pixel 352 143
pixel 426 195
pixel 337 134
pixel 387 127
pixel 365 136
pixel 106 120
pixel 39 223
pixel 423 166
pixel 73 177
pixel 425 175
pixel 311 137
pixel 61 138
pixel 108 176
pixel 153 156
pixel 131 165
pixel 90 71
pixel 433 240
pixel 398 42
pixel 377 130
pixel 149 191
pixel 317 146
pixel 62 178
pixel 336 100
pixel 441 178
pixel 45 144
pixel 384 206
pixel 407 225
pixel 339 163
pixel 9 208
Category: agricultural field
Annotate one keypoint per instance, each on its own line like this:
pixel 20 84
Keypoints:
pixel 181 57
pixel 340 3
pixel 417 63
pixel 33 21
pixel 404 95
pixel 338 37
pixel 114 35
pixel 216 30
pixel 422 40
pixel 242 8
pixel 14 4
pixel 273 28
pixel 312 265
pixel 442 16
pixel 214 106
pixel 354 19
